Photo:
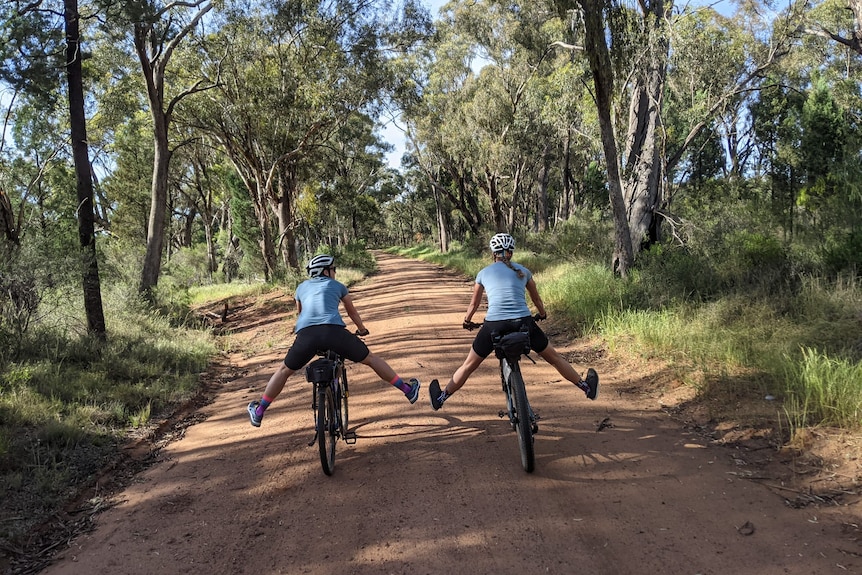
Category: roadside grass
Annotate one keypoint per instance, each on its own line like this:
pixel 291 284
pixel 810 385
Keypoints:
pixel 68 401
pixel 219 292
pixel 801 346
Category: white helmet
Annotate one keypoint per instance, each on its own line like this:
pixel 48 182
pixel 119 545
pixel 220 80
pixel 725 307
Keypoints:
pixel 319 263
pixel 502 243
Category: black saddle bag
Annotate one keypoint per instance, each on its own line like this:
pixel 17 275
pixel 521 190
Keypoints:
pixel 513 344
pixel 320 370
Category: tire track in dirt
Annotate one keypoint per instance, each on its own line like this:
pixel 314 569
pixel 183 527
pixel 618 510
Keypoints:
pixel 424 492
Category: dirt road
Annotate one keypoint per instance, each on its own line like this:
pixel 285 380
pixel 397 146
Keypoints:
pixel 424 492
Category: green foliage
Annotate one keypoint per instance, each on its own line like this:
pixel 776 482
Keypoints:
pixel 354 254
pixel 843 251
pixel 246 228
pixel 823 391
pixel 219 292
pixel 583 238
pixel 670 274
pixel 581 292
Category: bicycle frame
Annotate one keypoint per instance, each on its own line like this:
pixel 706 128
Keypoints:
pixel 329 405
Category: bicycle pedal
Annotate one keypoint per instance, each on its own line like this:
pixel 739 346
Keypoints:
pixel 349 437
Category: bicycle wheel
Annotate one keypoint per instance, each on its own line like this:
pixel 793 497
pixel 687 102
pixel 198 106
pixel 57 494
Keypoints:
pixel 523 425
pixel 327 427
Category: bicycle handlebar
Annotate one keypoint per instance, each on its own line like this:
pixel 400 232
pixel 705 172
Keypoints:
pixel 361 333
pixel 470 326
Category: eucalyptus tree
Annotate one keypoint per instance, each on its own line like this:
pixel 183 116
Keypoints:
pixel 568 112
pixel 202 190
pixel 806 121
pixel 432 120
pixel 658 58
pixel 355 180
pixel 596 47
pixel 484 61
pixel 291 78
pixel 33 54
pixel 836 20
pixel 157 29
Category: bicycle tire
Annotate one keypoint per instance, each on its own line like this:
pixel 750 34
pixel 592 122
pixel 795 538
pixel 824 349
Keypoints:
pixel 327 427
pixel 523 425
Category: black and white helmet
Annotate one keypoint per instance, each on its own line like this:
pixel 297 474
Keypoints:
pixel 319 263
pixel 502 243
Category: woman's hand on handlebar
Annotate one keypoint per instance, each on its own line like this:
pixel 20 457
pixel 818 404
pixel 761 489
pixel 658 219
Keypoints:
pixel 470 326
pixel 540 317
pixel 361 332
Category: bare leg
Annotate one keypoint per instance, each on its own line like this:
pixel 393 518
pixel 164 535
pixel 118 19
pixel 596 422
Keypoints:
pixel 277 381
pixel 565 369
pixel 380 367
pixel 459 378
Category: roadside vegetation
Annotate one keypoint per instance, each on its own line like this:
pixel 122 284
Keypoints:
pixel 756 331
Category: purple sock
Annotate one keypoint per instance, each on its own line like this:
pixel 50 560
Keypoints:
pixel 262 405
pixel 399 383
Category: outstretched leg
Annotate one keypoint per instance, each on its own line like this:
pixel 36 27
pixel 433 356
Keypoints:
pixel 274 386
pixel 458 379
pixel 590 385
pixel 385 372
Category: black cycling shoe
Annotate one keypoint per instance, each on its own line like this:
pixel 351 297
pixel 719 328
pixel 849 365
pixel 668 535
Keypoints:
pixel 435 393
pixel 592 380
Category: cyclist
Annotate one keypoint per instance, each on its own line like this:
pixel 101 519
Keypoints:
pixel 320 326
pixel 505 282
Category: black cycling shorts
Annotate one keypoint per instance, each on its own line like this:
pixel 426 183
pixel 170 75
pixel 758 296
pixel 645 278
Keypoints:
pixel 483 346
pixel 311 339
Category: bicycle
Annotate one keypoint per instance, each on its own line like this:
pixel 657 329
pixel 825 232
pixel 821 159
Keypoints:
pixel 328 377
pixel 509 346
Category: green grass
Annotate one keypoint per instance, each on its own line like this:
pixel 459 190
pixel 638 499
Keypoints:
pixel 218 292
pixel 823 390
pixel 68 401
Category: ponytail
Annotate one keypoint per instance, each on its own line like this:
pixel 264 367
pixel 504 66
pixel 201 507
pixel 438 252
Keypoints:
pixel 508 263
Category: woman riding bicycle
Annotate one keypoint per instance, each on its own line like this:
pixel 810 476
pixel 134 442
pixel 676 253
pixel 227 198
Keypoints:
pixel 320 326
pixel 505 282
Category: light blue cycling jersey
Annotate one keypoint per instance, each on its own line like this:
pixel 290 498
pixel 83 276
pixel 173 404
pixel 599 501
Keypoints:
pixel 506 299
pixel 320 298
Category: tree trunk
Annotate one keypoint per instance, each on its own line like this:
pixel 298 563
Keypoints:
pixel 442 226
pixel 600 64
pixel 80 154
pixel 283 209
pixel 542 204
pixel 497 214
pixel 567 177
pixel 7 221
pixel 158 205
pixel 148 39
pixel 643 163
